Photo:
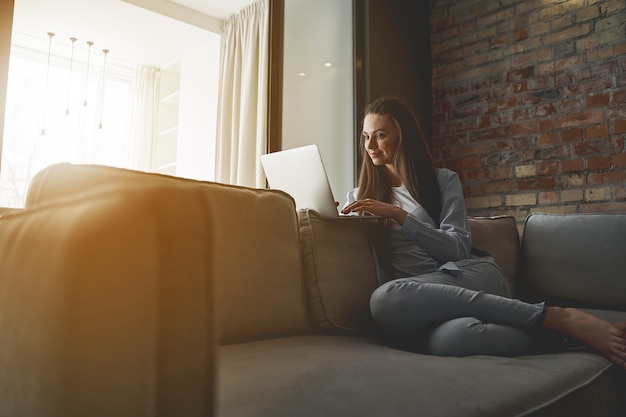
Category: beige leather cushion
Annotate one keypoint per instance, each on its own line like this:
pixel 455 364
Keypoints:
pixel 105 305
pixel 339 271
pixel 258 280
pixel 498 237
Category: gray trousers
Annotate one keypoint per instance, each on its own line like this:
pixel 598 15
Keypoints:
pixel 470 312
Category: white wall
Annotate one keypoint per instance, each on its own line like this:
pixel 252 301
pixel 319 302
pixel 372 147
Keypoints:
pixel 318 100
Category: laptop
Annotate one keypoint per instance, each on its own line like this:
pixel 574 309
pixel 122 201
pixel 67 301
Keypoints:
pixel 300 173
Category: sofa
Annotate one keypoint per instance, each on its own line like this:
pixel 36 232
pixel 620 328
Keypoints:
pixel 125 293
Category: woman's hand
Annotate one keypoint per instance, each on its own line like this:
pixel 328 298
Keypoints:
pixel 376 208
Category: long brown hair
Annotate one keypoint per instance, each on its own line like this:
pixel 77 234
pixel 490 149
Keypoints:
pixel 412 160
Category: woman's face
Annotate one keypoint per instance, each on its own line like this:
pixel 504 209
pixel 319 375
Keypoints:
pixel 382 137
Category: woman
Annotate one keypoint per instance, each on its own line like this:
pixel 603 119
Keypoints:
pixel 435 284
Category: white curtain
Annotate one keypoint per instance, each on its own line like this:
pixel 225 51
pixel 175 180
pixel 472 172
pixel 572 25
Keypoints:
pixel 145 116
pixel 242 102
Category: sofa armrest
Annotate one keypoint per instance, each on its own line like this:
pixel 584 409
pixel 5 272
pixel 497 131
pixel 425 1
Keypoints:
pixel 106 306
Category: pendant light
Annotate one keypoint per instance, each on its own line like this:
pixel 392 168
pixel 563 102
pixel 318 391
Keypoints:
pixel 45 94
pixel 104 66
pixel 89 44
pixel 69 89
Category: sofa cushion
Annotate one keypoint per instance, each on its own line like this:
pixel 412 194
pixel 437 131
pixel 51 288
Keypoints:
pixel 105 305
pixel 562 267
pixel 351 376
pixel 256 259
pixel 339 271
pixel 498 237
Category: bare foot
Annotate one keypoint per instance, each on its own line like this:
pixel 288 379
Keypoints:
pixel 609 339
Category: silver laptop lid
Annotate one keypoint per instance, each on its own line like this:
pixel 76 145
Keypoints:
pixel 300 173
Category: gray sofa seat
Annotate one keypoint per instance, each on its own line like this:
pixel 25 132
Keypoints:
pixel 312 376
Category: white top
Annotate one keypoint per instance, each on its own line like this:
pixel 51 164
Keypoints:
pixel 418 246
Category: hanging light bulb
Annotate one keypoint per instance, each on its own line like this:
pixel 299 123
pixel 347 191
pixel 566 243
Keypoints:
pixel 89 43
pixel 45 94
pixel 69 89
pixel 104 65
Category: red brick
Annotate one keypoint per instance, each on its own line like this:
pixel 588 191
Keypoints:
pixel 469 163
pixel 520 34
pixel 619 160
pixel 597 131
pixel 523 128
pixel 619 126
pixel 594 147
pixel 599 100
pixel 557 102
pixel 548 139
pixel 536 184
pixel 602 162
pixel 499 187
pixel 545 125
pixel 588 87
pixel 476 175
pixel 502 172
pixel 610 177
pixel 572 165
pixel 571 135
pixel 483 122
pixel 579 119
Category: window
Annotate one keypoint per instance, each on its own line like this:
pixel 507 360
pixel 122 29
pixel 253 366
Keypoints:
pixel 80 115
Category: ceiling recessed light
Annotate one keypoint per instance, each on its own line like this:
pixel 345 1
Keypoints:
pixel 302 74
pixel 328 65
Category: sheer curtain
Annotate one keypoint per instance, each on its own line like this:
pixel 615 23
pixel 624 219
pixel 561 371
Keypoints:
pixel 145 115
pixel 242 105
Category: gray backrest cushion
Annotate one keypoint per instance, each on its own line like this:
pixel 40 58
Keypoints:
pixel 579 259
pixel 498 237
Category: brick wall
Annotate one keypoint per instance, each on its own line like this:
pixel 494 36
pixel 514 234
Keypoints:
pixel 529 103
